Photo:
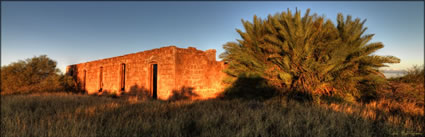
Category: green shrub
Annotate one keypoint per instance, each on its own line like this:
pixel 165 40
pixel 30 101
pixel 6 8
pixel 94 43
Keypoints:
pixel 37 74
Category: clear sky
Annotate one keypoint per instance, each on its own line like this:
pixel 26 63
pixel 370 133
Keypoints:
pixel 76 32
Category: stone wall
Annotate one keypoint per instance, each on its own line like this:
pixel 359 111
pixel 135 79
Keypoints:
pixel 200 71
pixel 179 70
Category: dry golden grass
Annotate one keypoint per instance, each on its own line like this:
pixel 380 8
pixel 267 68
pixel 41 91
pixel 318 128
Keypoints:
pixel 82 115
pixel 405 114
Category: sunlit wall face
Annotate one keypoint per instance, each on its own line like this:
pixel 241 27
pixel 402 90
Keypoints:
pixel 75 32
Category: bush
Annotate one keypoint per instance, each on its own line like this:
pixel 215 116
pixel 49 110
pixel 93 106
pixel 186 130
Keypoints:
pixel 414 75
pixel 37 74
pixel 407 88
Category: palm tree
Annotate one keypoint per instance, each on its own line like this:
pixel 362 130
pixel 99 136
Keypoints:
pixel 308 54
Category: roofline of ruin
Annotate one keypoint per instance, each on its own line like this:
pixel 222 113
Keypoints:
pixel 170 46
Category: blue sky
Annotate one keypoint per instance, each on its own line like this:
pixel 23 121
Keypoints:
pixel 76 32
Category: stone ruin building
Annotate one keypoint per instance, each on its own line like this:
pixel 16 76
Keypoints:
pixel 159 73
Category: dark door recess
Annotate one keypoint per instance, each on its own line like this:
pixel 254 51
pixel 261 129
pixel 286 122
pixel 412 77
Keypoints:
pixel 154 79
pixel 101 79
pixel 122 82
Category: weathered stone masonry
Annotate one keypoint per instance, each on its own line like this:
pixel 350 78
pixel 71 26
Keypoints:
pixel 176 68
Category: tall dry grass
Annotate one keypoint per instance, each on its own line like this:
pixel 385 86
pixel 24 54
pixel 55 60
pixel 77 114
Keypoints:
pixel 403 114
pixel 399 111
pixel 81 115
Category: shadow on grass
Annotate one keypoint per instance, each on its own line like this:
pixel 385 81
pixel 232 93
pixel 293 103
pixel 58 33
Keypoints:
pixel 248 88
pixel 185 93
pixel 135 92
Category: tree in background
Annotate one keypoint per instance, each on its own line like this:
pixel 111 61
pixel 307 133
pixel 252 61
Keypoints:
pixel 308 55
pixel 37 74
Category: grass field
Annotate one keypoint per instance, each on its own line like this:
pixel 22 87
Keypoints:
pixel 62 114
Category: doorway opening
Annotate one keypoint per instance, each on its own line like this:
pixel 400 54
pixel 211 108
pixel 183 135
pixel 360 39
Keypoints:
pixel 153 80
pixel 84 80
pixel 122 79
pixel 101 79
